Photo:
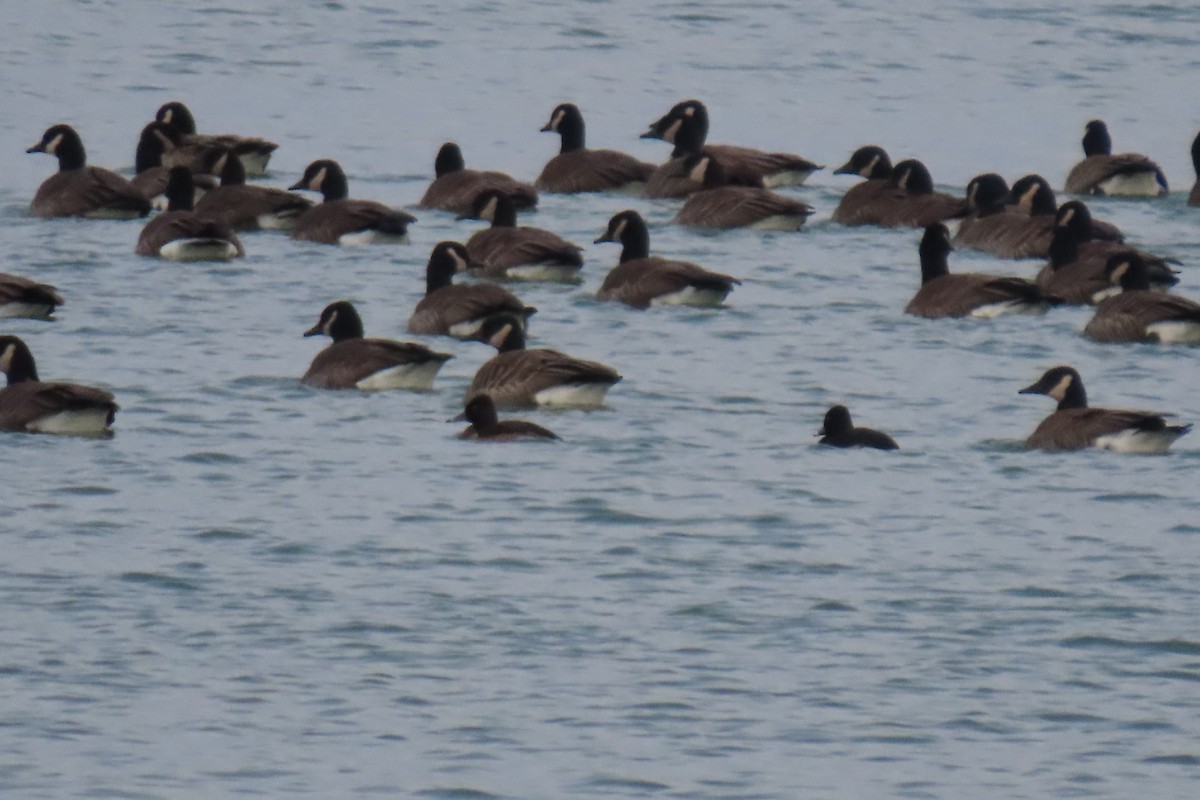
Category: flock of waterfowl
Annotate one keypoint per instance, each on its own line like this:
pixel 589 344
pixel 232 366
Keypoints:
pixel 197 184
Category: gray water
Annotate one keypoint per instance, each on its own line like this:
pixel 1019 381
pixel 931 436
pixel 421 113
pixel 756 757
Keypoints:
pixel 257 589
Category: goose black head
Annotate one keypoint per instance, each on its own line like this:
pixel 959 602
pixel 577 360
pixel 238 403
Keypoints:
pixel 1062 384
pixel 62 142
pixel 339 321
pixel 870 162
pixel 324 176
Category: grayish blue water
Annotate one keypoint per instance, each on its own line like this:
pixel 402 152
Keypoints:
pixel 256 589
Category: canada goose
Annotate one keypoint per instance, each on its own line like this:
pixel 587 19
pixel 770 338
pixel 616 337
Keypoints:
pixel 353 362
pixel 27 404
pixel 839 431
pixel 1074 426
pixel 254 153
pixel 340 220
pixel 244 207
pixel 78 190
pixel 156 140
pixel 857 206
pixel 485 426
pixel 1121 175
pixel 717 204
pixel 578 169
pixel 1194 197
pixel 517 377
pixel 968 294
pixel 459 310
pixel 521 253
pixel 641 280
pixel 686 127
pixel 1032 195
pixel 1076 268
pixel 1138 314
pixel 913 203
pixel 454 187
pixel 21 297
pixel 180 234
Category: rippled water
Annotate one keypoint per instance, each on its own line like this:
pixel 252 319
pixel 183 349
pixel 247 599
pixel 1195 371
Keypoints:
pixel 258 589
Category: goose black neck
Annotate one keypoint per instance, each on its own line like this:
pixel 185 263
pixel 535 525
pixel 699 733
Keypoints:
pixel 692 133
pixel 439 272
pixel 334 186
pixel 149 155
pixel 714 174
pixel 1096 141
pixel 934 257
pixel 505 215
pixel 449 159
pixel 151 146
pixel 181 190
pixel 1074 397
pixel 233 172
pixel 71 155
pixel 635 240
pixel 1196 155
pixel 1064 247
pixel 21 367
pixel 573 133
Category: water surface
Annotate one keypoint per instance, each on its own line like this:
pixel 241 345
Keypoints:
pixel 254 588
